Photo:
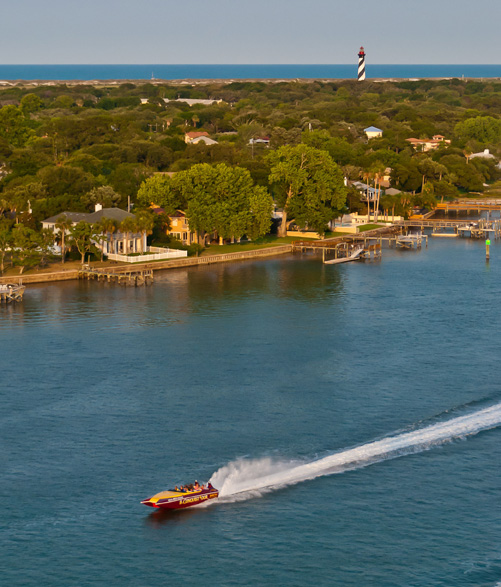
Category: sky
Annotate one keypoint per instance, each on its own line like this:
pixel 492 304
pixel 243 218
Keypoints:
pixel 249 31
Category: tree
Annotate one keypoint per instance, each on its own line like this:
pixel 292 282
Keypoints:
pixel 308 186
pixel 160 190
pixel 5 241
pixel 63 224
pixel 106 227
pixel 145 222
pixel 24 244
pixel 104 195
pixel 83 236
pixel 261 206
pixel 30 103
pixel 14 127
pixel 127 226
pixel 484 129
pixel 224 199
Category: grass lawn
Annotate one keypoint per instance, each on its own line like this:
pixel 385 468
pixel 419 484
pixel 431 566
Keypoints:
pixel 366 227
pixel 260 243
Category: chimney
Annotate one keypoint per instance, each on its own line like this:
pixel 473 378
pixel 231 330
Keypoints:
pixel 98 207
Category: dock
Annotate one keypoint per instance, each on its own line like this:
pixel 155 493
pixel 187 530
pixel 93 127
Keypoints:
pixel 135 278
pixel 482 228
pixel 11 292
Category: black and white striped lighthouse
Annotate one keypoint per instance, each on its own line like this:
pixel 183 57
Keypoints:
pixel 361 65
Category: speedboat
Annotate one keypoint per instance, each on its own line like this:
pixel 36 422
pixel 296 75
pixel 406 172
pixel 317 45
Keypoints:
pixel 174 500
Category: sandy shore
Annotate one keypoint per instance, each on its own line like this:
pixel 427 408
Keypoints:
pixel 222 82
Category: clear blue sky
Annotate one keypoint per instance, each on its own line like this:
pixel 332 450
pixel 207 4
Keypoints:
pixel 249 31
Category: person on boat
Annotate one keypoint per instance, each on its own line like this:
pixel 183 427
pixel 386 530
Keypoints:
pixel 175 488
pixel 196 487
pixel 209 485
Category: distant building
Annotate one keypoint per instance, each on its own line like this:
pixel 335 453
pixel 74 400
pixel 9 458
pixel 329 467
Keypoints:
pixel 367 192
pixel 259 141
pixel 193 101
pixel 429 144
pixel 372 132
pixel 485 154
pixel 118 243
pixel 180 229
pixel 196 137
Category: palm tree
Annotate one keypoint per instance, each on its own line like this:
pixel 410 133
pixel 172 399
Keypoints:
pixel 127 226
pixel 63 224
pixel 145 222
pixel 105 227
pixel 377 172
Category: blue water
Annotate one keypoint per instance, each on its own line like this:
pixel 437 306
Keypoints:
pixel 110 394
pixel 176 72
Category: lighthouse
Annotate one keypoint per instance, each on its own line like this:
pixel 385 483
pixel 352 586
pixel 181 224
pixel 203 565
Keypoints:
pixel 361 65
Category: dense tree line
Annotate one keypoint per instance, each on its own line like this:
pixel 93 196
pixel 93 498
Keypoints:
pixel 67 147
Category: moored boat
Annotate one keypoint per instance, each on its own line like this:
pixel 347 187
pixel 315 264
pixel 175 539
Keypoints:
pixel 174 500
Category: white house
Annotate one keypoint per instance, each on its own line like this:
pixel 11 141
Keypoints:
pixel 372 132
pixel 116 243
pixel 485 154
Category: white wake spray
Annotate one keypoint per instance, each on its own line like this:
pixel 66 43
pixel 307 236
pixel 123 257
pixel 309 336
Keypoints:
pixel 243 479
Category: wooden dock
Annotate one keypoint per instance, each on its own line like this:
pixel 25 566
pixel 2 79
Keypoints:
pixel 11 292
pixel 482 228
pixel 470 206
pixel 136 278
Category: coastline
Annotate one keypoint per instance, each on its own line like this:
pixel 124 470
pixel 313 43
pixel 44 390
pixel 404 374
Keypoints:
pixel 5 84
pixel 65 275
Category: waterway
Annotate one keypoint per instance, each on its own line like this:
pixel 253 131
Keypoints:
pixel 351 416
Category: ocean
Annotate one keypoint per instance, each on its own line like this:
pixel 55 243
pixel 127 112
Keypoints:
pixel 350 416
pixel 226 72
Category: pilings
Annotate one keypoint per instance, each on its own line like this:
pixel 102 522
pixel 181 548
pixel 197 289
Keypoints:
pixel 11 293
pixel 136 278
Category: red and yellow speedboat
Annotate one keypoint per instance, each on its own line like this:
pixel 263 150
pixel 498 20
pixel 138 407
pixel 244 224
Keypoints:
pixel 174 500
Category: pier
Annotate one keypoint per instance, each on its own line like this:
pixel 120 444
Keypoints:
pixel 11 292
pixel 482 228
pixel 136 278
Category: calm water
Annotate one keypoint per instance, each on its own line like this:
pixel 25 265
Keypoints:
pixel 111 394
pixel 169 72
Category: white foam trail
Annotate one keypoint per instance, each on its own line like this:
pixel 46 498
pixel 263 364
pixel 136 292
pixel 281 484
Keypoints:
pixel 243 479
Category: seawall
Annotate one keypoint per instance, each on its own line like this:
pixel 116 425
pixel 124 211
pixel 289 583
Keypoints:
pixel 155 266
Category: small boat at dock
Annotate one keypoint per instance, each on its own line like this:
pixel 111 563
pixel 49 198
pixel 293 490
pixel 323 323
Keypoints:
pixel 175 500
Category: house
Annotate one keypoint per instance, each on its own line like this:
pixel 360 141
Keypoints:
pixel 259 141
pixel 194 101
pixel 116 243
pixel 367 192
pixel 429 144
pixel 372 132
pixel 196 137
pixel 485 154
pixel 386 177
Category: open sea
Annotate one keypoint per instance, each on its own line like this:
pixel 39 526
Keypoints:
pixel 350 416
pixel 227 72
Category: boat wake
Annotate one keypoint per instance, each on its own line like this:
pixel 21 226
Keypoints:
pixel 243 479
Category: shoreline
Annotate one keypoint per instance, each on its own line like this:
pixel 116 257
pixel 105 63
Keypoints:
pixel 72 274
pixel 5 83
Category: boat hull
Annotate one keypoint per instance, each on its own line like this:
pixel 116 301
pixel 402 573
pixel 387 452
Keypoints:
pixel 177 501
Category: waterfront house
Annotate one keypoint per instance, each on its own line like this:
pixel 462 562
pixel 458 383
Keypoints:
pixel 367 192
pixel 118 243
pixel 373 132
